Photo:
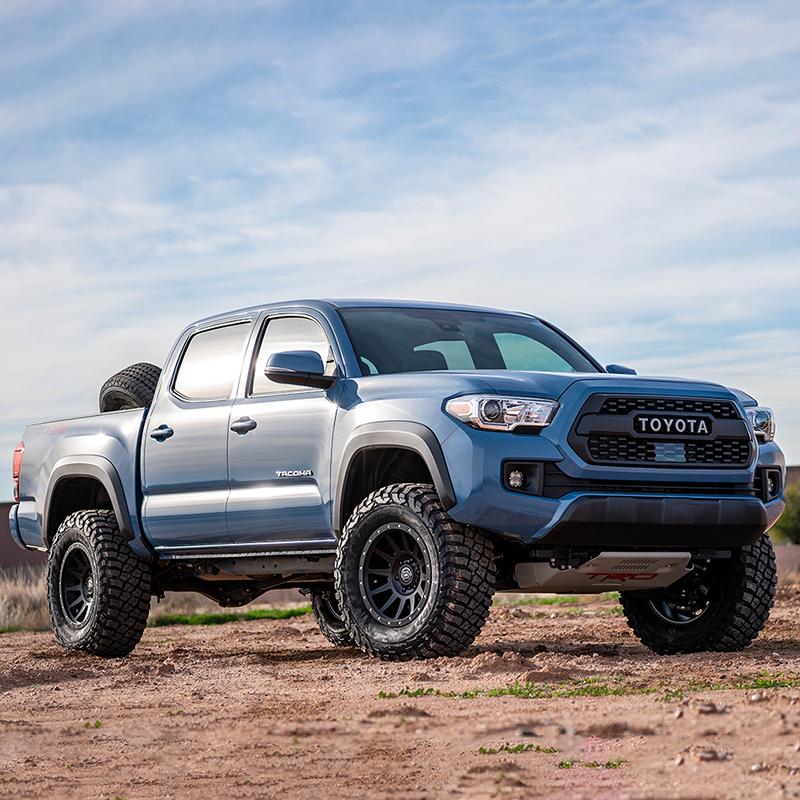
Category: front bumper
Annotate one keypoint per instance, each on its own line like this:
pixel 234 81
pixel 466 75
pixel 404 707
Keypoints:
pixel 685 519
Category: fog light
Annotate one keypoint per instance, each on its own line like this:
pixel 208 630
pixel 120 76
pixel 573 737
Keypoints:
pixel 516 479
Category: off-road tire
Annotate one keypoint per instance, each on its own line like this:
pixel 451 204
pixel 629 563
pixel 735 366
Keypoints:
pixel 329 617
pixel 742 594
pixel 132 387
pixel 462 572
pixel 121 583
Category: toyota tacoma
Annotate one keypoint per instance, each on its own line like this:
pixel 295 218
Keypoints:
pixel 401 462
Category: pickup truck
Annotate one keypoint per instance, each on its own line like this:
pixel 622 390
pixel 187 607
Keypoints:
pixel 401 462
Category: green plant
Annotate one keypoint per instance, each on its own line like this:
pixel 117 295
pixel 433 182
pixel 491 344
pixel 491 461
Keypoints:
pixel 670 695
pixel 516 748
pixel 205 618
pixel 787 529
pixel 613 611
pixel 601 686
pixel 604 764
pixel 93 725
pixel 550 600
pixel 567 763
pixel 588 687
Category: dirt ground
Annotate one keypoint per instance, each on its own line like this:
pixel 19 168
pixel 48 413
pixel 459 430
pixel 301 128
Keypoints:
pixel 270 709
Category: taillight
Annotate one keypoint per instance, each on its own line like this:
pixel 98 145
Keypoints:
pixel 16 465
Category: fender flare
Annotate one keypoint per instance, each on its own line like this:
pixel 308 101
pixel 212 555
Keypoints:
pixel 412 436
pixel 99 469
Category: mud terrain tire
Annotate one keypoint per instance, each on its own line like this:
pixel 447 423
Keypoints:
pixel 98 589
pixel 329 617
pixel 436 589
pixel 132 387
pixel 739 594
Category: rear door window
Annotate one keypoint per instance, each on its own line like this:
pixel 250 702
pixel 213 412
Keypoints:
pixel 211 363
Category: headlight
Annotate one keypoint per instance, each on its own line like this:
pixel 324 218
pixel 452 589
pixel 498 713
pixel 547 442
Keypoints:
pixel 493 413
pixel 762 421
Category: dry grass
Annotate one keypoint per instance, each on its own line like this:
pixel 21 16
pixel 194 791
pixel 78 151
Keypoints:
pixel 23 602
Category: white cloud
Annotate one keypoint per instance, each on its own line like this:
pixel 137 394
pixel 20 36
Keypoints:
pixel 652 210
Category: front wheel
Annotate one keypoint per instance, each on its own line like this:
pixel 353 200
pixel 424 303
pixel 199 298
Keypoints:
pixel 410 581
pixel 721 605
pixel 98 589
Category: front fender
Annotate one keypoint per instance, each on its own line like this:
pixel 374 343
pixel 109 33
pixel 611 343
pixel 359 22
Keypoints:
pixel 412 436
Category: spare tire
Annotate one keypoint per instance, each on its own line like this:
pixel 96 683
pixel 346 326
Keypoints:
pixel 132 387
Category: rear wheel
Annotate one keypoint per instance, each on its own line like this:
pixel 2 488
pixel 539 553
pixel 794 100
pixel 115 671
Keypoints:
pixel 721 605
pixel 329 617
pixel 98 589
pixel 411 582
pixel 132 387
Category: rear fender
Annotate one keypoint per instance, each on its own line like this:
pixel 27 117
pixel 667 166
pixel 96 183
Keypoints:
pixel 103 471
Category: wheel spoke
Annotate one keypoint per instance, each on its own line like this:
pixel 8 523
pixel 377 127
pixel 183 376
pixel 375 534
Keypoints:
pixel 75 585
pixel 394 596
pixel 382 554
pixel 77 602
pixel 384 587
pixel 395 579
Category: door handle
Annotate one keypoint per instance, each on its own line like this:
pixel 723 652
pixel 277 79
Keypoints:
pixel 243 425
pixel 161 433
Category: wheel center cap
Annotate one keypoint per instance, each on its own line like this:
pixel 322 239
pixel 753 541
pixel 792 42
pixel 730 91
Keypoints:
pixel 406 575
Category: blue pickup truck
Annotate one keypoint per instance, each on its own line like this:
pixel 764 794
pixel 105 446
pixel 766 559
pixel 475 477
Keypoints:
pixel 400 462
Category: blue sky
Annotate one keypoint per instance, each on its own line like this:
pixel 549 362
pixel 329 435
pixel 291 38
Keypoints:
pixel 630 171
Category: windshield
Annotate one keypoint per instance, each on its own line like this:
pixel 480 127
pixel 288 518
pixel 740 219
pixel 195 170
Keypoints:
pixel 389 340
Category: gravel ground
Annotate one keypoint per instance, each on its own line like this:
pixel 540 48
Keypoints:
pixel 270 709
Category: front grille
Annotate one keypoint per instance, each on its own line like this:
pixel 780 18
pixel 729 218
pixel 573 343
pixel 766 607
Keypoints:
pixel 556 484
pixel 719 409
pixel 605 432
pixel 630 450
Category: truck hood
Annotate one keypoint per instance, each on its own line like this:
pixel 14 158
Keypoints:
pixel 550 385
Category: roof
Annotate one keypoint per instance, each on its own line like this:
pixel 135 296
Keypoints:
pixel 328 304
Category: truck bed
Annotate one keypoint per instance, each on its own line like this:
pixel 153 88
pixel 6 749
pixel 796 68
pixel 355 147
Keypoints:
pixel 111 437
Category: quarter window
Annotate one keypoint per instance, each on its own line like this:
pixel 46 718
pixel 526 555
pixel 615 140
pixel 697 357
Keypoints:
pixel 211 363
pixel 284 334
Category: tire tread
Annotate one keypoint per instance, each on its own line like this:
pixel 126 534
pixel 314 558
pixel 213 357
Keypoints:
pixel 743 617
pixel 467 572
pixel 122 586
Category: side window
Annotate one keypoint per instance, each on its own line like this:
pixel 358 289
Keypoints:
pixel 284 334
pixel 211 363
pixel 524 353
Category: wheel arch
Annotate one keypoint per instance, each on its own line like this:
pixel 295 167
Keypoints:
pixel 413 438
pixel 77 480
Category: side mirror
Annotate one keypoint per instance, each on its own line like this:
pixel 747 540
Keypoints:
pixel 299 368
pixel 619 369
